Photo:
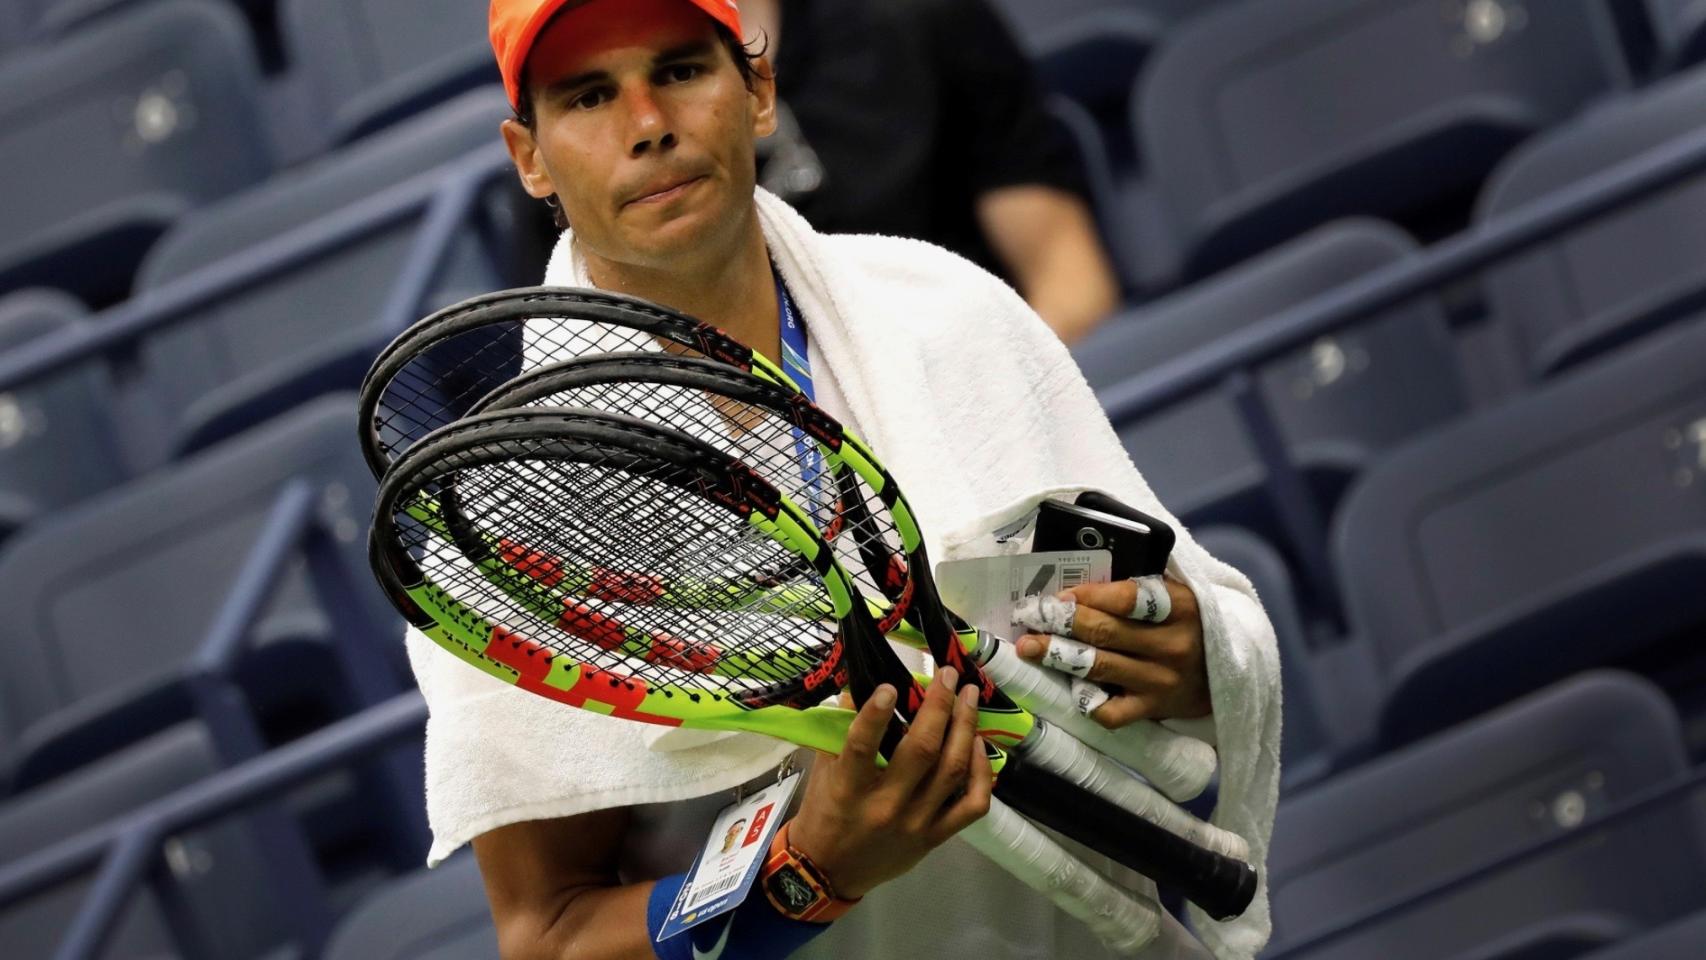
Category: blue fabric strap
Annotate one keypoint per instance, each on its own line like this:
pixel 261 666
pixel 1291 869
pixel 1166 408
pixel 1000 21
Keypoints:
pixel 751 931
pixel 795 362
pixel 797 365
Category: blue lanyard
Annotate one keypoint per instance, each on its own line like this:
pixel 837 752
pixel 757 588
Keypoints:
pixel 799 369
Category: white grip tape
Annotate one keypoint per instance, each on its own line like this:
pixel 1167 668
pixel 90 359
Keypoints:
pixel 1058 752
pixel 1124 921
pixel 1178 765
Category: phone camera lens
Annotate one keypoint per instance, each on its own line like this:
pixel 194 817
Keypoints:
pixel 1090 538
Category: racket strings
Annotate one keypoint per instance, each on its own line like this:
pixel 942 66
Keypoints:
pixel 768 442
pixel 444 379
pixel 683 611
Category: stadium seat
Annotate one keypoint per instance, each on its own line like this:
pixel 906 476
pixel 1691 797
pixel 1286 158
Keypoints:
pixel 1306 745
pixel 1258 120
pixel 314 328
pixel 1618 276
pixel 437 914
pixel 1681 940
pixel 372 62
pixel 169 122
pixel 107 603
pixel 57 445
pixel 216 874
pixel 1679 27
pixel 1562 530
pixel 1338 401
pixel 1380 834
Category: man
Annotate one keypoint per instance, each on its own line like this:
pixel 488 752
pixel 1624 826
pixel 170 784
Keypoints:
pixel 921 118
pixel 637 118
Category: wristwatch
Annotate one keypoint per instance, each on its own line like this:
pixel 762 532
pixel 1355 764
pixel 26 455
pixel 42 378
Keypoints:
pixel 795 885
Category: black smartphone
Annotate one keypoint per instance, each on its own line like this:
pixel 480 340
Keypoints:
pixel 1138 542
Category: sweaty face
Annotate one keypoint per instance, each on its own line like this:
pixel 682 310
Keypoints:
pixel 644 129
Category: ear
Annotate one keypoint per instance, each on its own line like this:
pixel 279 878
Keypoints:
pixel 763 98
pixel 529 167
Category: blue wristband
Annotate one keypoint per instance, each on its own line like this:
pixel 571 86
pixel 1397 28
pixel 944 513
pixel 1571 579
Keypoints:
pixel 751 931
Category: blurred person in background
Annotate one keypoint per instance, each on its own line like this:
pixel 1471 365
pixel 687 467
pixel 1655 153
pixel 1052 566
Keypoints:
pixel 922 118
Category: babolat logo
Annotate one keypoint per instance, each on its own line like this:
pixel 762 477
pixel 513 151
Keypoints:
pixel 718 346
pixel 752 488
pixel 815 422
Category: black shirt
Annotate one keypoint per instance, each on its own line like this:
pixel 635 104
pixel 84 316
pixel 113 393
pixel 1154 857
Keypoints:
pixel 898 114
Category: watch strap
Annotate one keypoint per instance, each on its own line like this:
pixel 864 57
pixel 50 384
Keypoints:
pixel 797 888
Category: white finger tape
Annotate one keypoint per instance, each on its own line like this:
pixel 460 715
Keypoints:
pixel 1069 656
pixel 1046 613
pixel 1087 696
pixel 1153 604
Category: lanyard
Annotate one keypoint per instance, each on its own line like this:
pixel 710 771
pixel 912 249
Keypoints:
pixel 798 368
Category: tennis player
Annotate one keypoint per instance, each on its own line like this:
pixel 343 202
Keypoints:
pixel 637 120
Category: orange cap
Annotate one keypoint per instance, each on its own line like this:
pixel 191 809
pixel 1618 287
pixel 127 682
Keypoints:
pixel 515 24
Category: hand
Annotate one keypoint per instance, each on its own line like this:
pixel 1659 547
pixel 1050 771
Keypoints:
pixel 1158 667
pixel 862 824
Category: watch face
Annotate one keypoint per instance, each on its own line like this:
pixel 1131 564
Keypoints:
pixel 792 889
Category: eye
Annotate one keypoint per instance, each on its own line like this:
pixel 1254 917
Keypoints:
pixel 589 99
pixel 680 72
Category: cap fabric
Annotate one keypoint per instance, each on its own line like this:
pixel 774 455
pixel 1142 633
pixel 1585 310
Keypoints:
pixel 515 24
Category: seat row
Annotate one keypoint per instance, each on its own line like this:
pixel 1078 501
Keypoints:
pixel 1231 152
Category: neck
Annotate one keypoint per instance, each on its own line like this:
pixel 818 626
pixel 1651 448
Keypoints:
pixel 736 292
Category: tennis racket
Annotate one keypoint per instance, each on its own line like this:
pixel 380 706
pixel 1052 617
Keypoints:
pixel 445 364
pixel 859 508
pixel 667 510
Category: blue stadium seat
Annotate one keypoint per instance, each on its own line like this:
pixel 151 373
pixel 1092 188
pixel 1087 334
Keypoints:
pixel 1258 120
pixel 1617 276
pixel 1681 940
pixel 371 62
pixel 1306 744
pixel 57 445
pixel 316 327
pixel 437 914
pixel 1562 530
pixel 169 122
pixel 1338 402
pixel 215 874
pixel 108 602
pixel 1428 815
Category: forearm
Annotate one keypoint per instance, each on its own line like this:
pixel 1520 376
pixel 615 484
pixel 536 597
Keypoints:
pixel 588 923
pixel 1071 287
pixel 1047 240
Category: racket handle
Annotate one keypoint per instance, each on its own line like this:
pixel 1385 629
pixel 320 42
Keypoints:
pixel 1125 921
pixel 1222 886
pixel 1179 766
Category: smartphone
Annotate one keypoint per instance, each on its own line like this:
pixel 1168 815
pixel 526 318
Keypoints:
pixel 1138 543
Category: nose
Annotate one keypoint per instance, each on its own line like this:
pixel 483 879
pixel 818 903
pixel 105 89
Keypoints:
pixel 651 126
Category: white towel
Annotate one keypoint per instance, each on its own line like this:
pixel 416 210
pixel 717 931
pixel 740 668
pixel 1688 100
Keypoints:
pixel 979 412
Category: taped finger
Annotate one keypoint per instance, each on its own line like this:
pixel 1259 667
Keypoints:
pixel 1154 604
pixel 1087 696
pixel 1069 656
pixel 1045 613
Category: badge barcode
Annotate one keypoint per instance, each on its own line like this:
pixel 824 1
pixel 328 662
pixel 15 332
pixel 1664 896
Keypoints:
pixel 1073 574
pixel 717 889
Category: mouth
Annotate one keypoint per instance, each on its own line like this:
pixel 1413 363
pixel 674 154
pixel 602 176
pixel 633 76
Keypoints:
pixel 665 193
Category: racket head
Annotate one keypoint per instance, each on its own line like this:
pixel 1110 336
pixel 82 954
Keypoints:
pixel 850 498
pixel 861 512
pixel 433 373
pixel 607 491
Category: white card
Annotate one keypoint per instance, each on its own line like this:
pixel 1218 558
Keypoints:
pixel 725 869
pixel 984 590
